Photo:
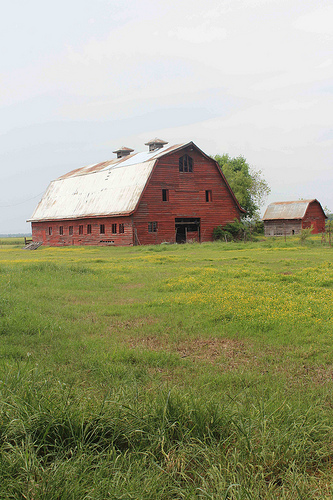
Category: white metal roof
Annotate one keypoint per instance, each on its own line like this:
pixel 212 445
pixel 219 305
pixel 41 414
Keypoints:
pixel 109 188
pixel 287 210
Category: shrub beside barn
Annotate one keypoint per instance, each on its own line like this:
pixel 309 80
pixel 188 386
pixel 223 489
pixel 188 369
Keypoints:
pixel 167 194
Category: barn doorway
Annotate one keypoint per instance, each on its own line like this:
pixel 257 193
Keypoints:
pixel 187 229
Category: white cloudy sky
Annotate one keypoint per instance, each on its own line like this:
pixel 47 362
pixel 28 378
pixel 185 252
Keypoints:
pixel 80 78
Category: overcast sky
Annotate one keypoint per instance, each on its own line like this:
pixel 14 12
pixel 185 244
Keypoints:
pixel 80 78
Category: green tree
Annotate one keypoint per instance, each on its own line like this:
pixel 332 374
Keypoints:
pixel 248 185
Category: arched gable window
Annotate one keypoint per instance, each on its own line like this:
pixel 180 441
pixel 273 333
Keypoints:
pixel 185 164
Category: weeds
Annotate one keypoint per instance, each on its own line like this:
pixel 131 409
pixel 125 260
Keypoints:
pixel 305 234
pixel 197 443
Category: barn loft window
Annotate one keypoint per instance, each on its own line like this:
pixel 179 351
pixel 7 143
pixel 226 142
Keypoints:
pixel 185 164
pixel 50 231
pixel 152 227
pixel 114 228
pixel 209 196
pixel 121 228
pixel 70 230
pixel 88 228
pixel 80 229
pixel 165 194
pixel 61 230
pixel 102 228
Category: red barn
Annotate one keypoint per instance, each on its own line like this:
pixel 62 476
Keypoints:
pixel 167 194
pixel 290 217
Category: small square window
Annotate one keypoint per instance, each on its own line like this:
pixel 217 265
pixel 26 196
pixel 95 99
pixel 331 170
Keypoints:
pixel 209 196
pixel 80 229
pixel 121 228
pixel 61 230
pixel 88 228
pixel 152 227
pixel 165 194
pixel 70 230
pixel 102 228
pixel 114 228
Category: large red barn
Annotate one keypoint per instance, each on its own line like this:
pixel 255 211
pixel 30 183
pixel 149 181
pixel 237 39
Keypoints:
pixel 167 194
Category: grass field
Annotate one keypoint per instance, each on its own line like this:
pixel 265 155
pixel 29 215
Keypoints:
pixel 167 372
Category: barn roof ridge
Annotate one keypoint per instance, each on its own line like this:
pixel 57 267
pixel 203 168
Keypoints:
pixel 288 209
pixel 293 201
pixel 131 159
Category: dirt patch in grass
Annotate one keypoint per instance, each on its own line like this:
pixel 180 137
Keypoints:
pixel 200 349
pixel 231 354
pixel 152 342
pixel 134 323
pixel 280 362
pixel 131 286
pixel 212 349
pixel 318 374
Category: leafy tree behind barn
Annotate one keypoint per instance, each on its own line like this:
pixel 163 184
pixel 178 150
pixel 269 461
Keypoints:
pixel 248 185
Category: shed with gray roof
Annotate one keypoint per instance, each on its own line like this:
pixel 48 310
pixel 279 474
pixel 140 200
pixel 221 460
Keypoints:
pixel 285 218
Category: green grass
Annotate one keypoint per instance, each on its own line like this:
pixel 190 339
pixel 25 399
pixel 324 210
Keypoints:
pixel 167 372
pixel 17 242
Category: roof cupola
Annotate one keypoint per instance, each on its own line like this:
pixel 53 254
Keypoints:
pixel 155 144
pixel 121 152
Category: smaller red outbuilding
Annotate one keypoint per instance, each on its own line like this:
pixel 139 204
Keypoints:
pixel 290 217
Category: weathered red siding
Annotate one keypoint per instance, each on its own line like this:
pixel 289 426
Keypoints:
pixel 314 216
pixel 187 199
pixel 40 232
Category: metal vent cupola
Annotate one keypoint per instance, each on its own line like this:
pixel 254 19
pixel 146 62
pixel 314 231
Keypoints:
pixel 121 152
pixel 155 144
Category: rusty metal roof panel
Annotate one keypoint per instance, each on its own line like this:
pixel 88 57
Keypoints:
pixel 137 158
pixel 90 169
pixel 113 191
pixel 286 210
pixel 124 161
pixel 109 188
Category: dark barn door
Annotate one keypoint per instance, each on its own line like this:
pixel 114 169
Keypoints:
pixel 187 229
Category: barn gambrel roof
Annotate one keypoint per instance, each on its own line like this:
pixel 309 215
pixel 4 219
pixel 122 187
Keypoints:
pixel 287 210
pixel 111 188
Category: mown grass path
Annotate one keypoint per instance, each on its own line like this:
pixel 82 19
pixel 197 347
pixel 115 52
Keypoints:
pixel 167 372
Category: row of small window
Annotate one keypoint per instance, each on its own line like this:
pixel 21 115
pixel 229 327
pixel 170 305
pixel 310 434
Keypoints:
pixel 208 194
pixel 114 229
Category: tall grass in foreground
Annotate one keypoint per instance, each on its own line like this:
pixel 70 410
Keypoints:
pixel 57 445
pixel 167 372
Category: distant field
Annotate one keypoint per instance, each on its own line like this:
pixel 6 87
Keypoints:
pixel 167 372
pixel 19 241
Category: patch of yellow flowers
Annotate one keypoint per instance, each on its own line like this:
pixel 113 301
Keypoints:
pixel 250 293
